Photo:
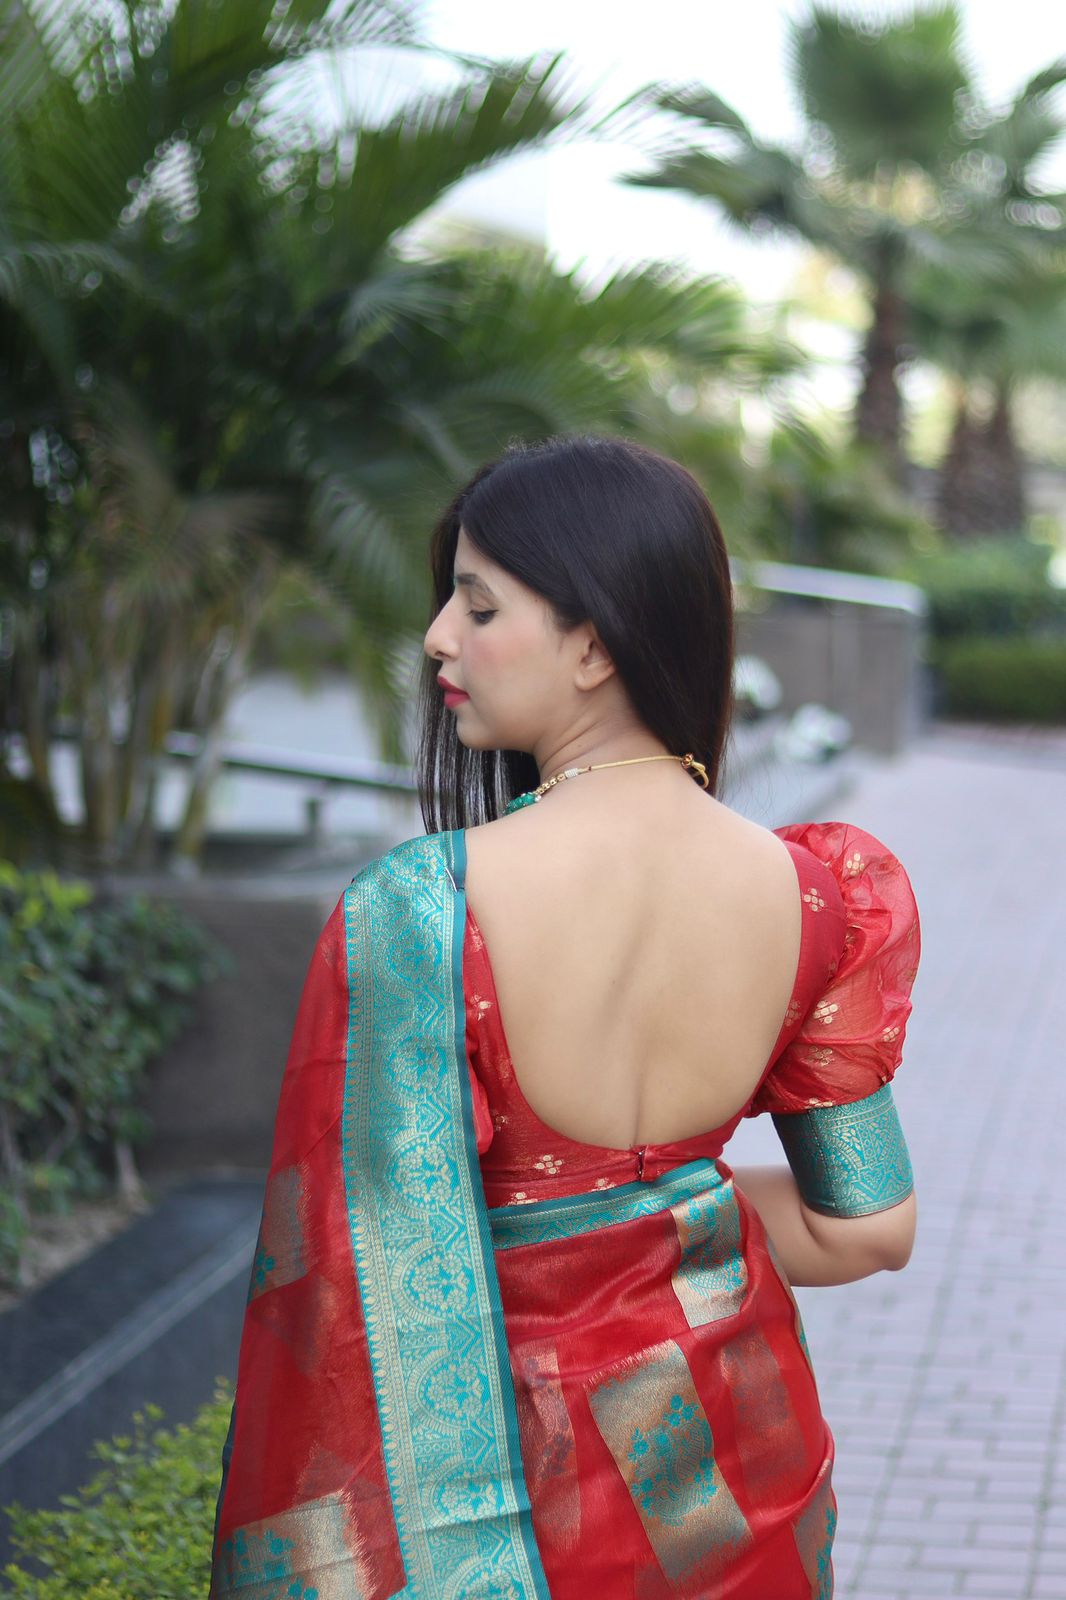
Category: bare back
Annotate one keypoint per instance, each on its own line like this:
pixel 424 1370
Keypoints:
pixel 643 960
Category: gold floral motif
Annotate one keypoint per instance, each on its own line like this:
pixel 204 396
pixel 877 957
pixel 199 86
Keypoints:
pixel 812 1102
pixel 711 1278
pixel 814 899
pixel 605 1183
pixel 890 1034
pixel 825 1010
pixel 793 1012
pixel 548 1164
pixel 314 1539
pixel 481 1005
pixel 854 865
pixel 819 1055
pixel 652 1420
pixel 500 1119
pixel 521 1198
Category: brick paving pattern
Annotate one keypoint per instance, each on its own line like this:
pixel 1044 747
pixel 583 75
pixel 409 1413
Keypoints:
pixel 945 1384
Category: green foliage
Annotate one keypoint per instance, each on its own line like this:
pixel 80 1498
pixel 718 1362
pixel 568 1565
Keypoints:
pixel 887 93
pixel 831 504
pixel 91 991
pixel 1003 679
pixel 994 587
pixel 196 190
pixel 140 1528
pixel 906 175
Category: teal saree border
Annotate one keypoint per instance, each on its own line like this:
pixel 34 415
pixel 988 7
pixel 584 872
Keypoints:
pixel 421 1239
pixel 573 1215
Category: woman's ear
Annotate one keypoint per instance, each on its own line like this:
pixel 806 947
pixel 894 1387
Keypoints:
pixel 594 664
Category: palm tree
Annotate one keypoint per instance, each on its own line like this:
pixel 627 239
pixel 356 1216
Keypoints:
pixel 881 181
pixel 990 342
pixel 239 363
pixel 993 336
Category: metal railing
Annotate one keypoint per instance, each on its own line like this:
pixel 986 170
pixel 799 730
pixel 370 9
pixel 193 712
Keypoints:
pixel 322 775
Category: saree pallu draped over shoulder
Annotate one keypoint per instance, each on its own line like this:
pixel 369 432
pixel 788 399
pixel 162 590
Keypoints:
pixel 440 1400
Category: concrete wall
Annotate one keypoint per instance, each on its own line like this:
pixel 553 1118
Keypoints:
pixel 213 1095
pixel 865 661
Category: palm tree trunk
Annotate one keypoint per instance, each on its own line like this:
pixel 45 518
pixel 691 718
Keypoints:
pixel 151 719
pixel 227 679
pixel 958 490
pixel 1005 507
pixel 879 408
pixel 981 488
pixel 31 681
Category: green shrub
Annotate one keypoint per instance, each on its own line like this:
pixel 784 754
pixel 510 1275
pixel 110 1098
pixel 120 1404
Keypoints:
pixel 140 1529
pixel 1019 680
pixel 990 587
pixel 91 990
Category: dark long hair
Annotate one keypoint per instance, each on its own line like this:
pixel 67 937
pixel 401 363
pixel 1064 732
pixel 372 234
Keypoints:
pixel 606 531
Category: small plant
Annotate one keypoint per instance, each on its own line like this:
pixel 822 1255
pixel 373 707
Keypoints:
pixel 141 1528
pixel 90 993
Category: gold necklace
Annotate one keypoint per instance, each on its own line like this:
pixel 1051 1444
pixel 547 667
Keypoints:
pixel 688 761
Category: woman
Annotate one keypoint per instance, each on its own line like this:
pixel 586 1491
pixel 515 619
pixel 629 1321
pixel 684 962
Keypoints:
pixel 514 1327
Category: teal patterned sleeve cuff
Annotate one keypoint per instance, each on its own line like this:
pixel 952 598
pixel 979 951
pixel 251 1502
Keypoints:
pixel 848 1161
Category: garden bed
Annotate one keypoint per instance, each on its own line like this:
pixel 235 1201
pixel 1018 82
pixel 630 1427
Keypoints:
pixel 58 1240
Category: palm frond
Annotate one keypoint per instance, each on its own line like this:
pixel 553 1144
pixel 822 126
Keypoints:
pixel 403 167
pixel 35 43
pixel 1044 81
pixel 694 101
pixel 885 94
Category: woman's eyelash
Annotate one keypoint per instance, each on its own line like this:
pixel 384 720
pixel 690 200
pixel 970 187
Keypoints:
pixel 481 616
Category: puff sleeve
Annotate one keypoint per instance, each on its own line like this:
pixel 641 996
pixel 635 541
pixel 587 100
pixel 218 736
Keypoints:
pixel 850 1042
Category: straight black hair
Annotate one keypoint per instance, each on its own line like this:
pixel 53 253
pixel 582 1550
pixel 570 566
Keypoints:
pixel 607 531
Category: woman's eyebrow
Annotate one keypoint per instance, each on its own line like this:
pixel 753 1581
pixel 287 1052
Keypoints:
pixel 471 581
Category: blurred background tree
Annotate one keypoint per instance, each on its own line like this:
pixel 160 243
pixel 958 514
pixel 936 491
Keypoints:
pixel 239 374
pixel 218 361
pixel 903 176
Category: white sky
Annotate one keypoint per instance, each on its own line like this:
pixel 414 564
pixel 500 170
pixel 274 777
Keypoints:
pixel 567 197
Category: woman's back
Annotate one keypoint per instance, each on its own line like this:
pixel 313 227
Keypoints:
pixel 644 951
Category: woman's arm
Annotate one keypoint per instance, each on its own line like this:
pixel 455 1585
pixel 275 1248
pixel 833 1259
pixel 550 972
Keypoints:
pixel 815 1249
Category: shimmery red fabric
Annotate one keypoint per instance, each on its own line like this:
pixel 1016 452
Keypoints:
pixel 305 1420
pixel 579 1312
pixel 612 1352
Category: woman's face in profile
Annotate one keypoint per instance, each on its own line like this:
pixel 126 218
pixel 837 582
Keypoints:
pixel 495 640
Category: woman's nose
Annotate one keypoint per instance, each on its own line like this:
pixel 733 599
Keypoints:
pixel 437 641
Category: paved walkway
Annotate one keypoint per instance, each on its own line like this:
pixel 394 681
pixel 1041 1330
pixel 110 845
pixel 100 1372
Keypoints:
pixel 945 1384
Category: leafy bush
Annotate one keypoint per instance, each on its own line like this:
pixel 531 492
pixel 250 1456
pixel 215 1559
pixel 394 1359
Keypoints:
pixel 1019 680
pixel 91 990
pixel 991 587
pixel 140 1529
pixel 824 502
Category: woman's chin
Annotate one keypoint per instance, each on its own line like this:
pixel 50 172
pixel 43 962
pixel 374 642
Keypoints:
pixel 476 739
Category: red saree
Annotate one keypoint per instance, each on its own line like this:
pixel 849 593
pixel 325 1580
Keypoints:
pixel 483 1360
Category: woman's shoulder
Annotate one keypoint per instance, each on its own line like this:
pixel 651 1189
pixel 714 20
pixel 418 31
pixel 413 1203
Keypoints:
pixel 846 851
pixel 410 860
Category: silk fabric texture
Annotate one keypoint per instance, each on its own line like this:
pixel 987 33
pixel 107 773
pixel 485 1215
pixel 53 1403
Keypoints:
pixel 593 1380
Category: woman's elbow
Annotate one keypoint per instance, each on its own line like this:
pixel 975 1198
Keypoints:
pixel 895 1243
pixel 879 1241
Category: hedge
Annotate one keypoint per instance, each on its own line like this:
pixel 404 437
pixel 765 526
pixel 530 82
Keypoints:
pixel 1016 680
pixel 992 587
pixel 140 1529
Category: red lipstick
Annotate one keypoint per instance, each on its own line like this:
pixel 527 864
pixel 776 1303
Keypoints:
pixel 452 695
